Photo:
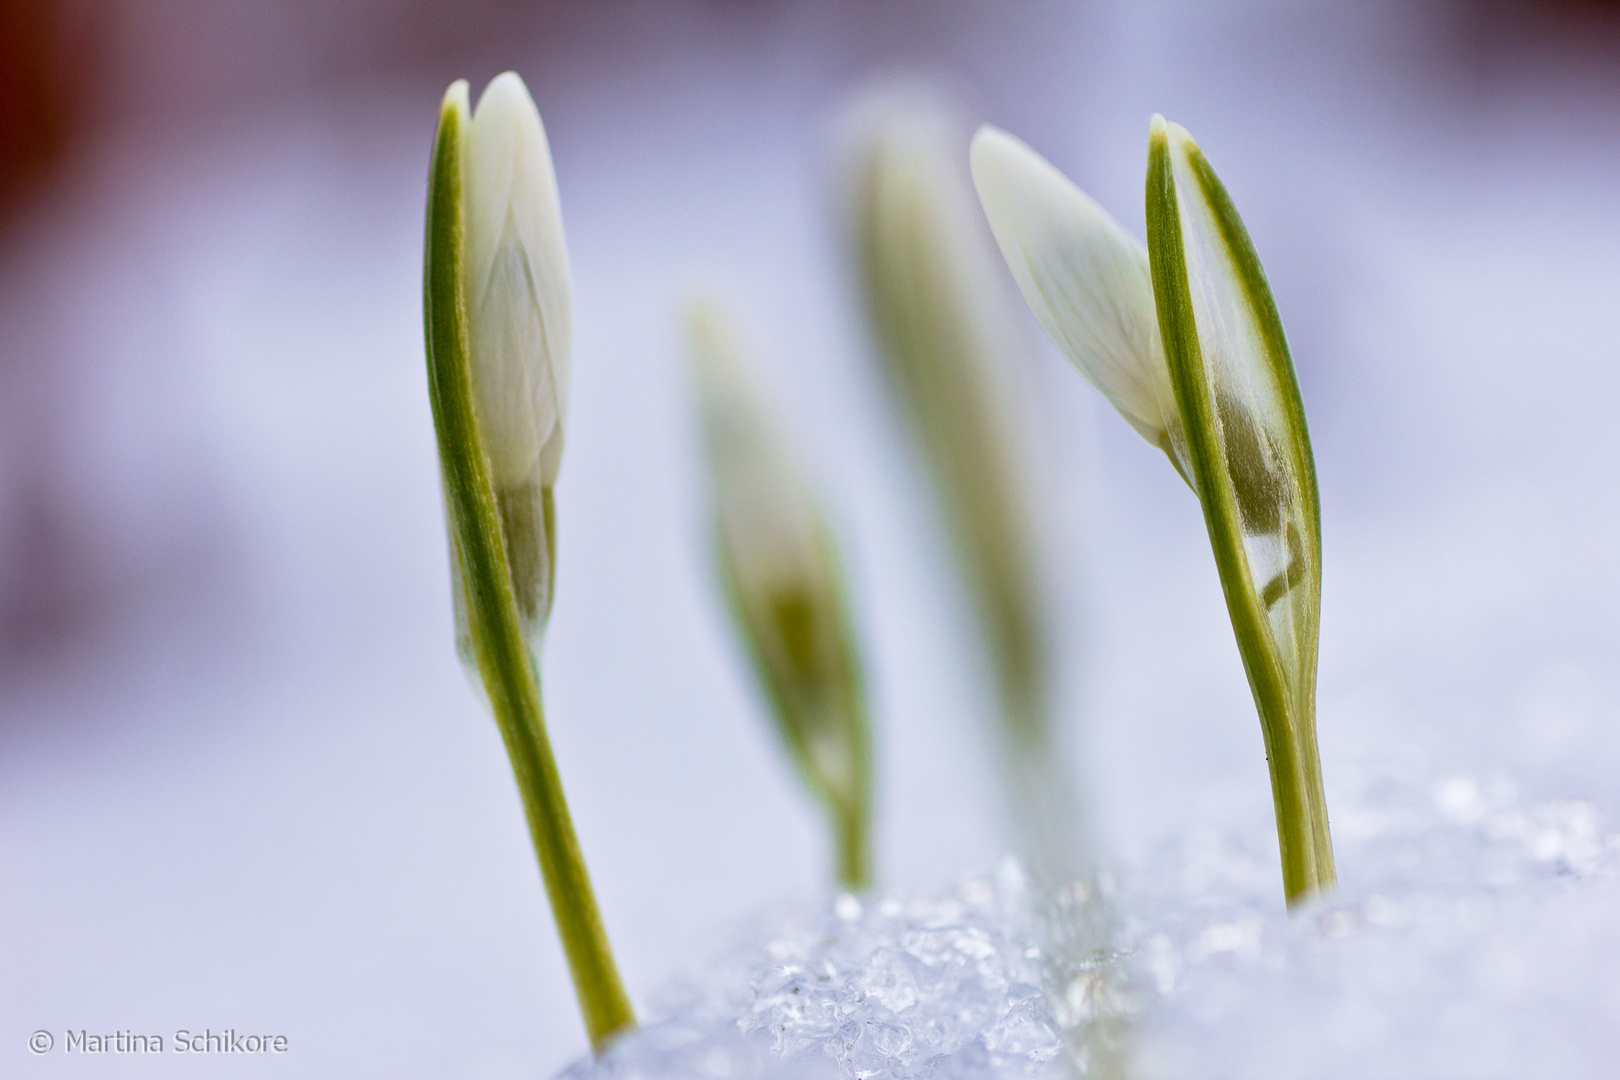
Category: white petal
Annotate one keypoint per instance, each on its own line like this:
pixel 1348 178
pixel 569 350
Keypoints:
pixel 518 293
pixel 1084 277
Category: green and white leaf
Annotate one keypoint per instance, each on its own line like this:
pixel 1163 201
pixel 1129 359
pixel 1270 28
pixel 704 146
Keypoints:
pixel 1251 465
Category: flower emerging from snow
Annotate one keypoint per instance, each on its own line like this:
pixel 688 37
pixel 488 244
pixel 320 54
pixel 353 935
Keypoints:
pixel 495 308
pixel 1183 337
pixel 944 325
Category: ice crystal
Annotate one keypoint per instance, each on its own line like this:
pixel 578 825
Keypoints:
pixel 876 987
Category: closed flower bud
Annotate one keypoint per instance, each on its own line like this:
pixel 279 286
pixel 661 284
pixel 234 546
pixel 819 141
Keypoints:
pixel 781 575
pixel 1084 277
pixel 943 322
pixel 495 309
pixel 518 297
pixel 949 345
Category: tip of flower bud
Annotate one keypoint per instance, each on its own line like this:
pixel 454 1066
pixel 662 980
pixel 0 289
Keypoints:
pixel 989 144
pixel 505 103
pixel 455 97
pixel 1005 168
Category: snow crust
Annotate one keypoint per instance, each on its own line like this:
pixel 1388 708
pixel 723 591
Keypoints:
pixel 1472 936
pixel 950 986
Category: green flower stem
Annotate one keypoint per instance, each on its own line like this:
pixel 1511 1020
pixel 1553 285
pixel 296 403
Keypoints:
pixel 1287 707
pixel 498 644
pixel 854 852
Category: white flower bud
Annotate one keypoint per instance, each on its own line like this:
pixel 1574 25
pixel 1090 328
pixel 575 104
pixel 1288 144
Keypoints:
pixel 1084 277
pixel 781 575
pixel 495 316
pixel 518 296
pixel 947 338
pixel 770 524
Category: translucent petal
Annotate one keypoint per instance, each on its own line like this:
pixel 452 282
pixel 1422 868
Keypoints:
pixel 518 292
pixel 1084 277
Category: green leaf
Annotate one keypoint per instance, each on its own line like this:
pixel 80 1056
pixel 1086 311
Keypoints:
pixel 1250 459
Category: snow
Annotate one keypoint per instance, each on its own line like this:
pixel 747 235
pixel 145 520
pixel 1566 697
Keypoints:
pixel 1473 935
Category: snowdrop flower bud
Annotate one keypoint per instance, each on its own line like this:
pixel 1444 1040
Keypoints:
pixel 518 301
pixel 1084 277
pixel 780 573
pixel 942 319
pixel 495 308
pixel 946 337
pixel 1185 340
pixel 517 296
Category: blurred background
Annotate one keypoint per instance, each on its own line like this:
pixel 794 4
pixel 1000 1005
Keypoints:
pixel 243 782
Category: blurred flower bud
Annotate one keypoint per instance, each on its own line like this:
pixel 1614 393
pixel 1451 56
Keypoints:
pixel 781 575
pixel 1084 277
pixel 942 319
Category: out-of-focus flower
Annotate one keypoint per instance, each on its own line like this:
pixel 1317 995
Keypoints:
pixel 781 576
pixel 943 319
pixel 1084 277
pixel 944 331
